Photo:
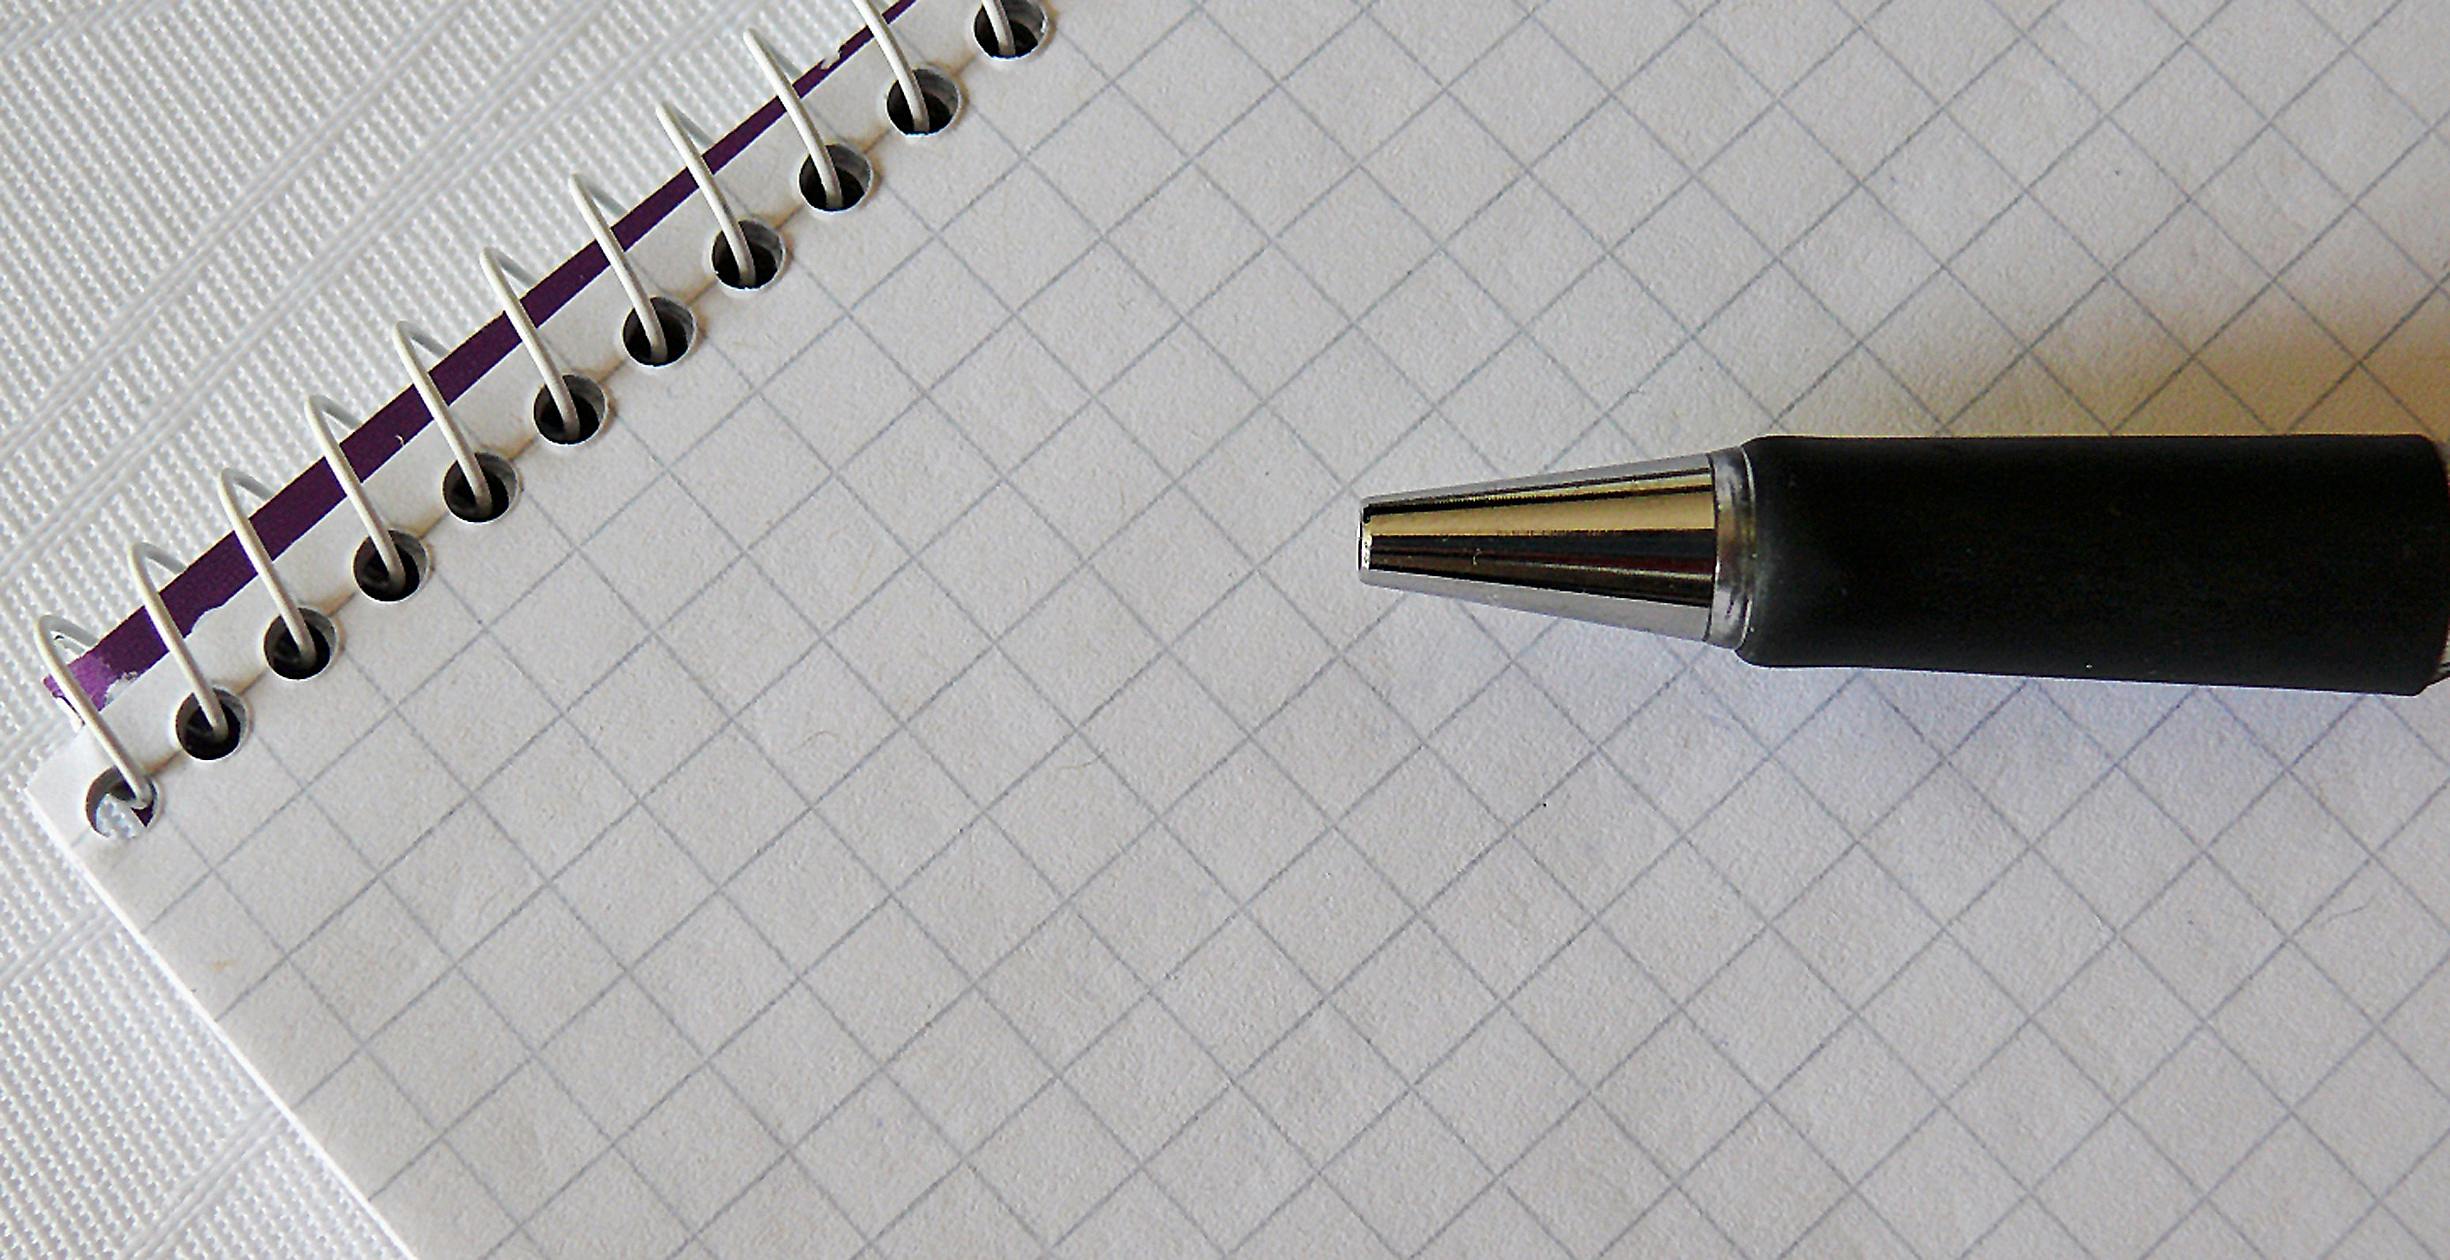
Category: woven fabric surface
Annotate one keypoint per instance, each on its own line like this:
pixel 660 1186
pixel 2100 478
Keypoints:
pixel 213 209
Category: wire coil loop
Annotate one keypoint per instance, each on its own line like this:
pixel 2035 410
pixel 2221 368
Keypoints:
pixel 301 640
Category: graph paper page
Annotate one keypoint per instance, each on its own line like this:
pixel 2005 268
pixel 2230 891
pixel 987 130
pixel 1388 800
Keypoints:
pixel 927 777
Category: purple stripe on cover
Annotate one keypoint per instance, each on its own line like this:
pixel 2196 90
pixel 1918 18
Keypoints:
pixel 211 579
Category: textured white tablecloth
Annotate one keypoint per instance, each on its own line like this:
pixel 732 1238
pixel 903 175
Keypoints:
pixel 209 209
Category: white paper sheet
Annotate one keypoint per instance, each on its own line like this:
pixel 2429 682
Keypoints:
pixel 928 778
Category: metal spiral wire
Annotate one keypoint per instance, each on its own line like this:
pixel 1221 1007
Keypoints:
pixel 390 559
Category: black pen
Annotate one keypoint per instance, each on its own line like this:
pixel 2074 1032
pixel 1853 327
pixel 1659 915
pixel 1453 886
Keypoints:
pixel 2320 563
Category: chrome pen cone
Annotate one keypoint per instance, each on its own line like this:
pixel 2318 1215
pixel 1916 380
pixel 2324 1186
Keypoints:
pixel 1635 545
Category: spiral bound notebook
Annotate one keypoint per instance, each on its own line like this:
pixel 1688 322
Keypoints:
pixel 915 772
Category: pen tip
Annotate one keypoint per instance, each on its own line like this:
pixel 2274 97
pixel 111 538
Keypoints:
pixel 1630 545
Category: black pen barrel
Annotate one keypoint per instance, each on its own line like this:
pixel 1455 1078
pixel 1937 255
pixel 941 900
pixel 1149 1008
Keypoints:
pixel 2319 563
